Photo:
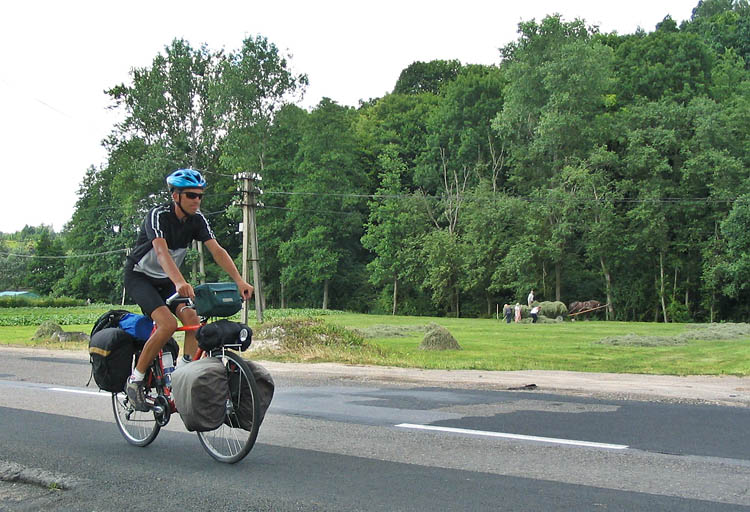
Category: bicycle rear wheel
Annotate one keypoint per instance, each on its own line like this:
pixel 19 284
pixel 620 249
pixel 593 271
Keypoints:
pixel 138 428
pixel 234 438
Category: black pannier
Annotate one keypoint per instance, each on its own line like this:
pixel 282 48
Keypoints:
pixel 224 332
pixel 242 399
pixel 200 393
pixel 109 319
pixel 111 354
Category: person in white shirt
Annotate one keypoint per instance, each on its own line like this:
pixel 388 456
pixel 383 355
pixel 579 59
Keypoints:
pixel 534 312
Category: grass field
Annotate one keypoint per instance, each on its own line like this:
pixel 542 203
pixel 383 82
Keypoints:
pixel 594 346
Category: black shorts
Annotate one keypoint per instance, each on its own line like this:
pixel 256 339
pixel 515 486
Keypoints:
pixel 148 292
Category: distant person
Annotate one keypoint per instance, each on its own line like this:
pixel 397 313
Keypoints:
pixel 530 298
pixel 518 312
pixel 534 312
pixel 507 313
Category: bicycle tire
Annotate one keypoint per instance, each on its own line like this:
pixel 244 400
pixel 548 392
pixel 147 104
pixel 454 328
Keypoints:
pixel 138 428
pixel 230 442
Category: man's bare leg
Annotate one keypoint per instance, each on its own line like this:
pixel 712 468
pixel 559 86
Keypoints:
pixel 188 316
pixel 166 324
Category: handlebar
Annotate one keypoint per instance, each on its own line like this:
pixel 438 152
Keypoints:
pixel 177 299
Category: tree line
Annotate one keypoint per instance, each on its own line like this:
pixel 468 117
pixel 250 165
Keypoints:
pixel 585 165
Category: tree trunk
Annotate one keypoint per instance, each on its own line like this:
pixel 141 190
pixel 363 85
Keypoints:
pixel 395 294
pixel 201 263
pixel 325 294
pixel 458 312
pixel 610 311
pixel 557 281
pixel 262 299
pixel 661 287
pixel 194 269
pixel 283 298
pixel 489 307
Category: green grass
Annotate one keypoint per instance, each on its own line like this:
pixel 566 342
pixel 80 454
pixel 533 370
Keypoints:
pixel 671 349
pixel 491 345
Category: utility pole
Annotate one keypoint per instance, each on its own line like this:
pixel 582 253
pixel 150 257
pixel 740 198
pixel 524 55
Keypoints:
pixel 127 253
pixel 250 238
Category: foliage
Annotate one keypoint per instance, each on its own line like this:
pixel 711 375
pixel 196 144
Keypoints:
pixel 44 302
pixel 583 165
pixel 430 76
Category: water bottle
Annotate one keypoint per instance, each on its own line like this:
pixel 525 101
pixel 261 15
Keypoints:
pixel 168 363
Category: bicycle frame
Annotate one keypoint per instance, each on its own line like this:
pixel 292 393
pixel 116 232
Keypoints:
pixel 156 378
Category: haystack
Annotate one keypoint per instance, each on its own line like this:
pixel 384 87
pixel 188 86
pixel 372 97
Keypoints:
pixel 438 338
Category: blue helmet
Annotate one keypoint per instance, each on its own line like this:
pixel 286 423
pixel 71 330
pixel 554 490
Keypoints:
pixel 185 178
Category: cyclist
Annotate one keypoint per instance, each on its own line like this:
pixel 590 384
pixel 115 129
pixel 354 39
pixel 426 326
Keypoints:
pixel 152 271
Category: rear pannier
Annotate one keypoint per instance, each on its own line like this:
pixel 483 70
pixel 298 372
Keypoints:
pixel 200 392
pixel 111 354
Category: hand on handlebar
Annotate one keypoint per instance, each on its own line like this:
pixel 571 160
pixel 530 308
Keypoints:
pixel 245 289
pixel 184 289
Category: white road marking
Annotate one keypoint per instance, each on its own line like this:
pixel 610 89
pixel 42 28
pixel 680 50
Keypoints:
pixel 514 436
pixel 80 392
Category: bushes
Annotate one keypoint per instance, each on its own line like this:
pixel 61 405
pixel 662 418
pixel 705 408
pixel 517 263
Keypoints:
pixel 44 302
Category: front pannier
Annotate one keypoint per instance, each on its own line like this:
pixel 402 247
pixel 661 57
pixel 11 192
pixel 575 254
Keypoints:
pixel 242 398
pixel 111 355
pixel 200 392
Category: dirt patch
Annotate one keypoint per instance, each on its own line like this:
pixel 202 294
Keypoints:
pixel 301 335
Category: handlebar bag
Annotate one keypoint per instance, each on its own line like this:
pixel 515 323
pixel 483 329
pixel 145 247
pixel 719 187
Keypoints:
pixel 200 391
pixel 217 299
pixel 111 356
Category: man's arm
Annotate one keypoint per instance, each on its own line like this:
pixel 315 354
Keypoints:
pixel 171 269
pixel 222 258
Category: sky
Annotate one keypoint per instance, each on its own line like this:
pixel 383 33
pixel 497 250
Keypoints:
pixel 60 56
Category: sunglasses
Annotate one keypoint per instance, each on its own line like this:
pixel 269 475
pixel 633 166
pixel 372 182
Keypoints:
pixel 193 195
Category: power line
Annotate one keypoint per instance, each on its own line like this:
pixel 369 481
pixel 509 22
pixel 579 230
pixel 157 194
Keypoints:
pixel 311 211
pixel 67 256
pixel 658 200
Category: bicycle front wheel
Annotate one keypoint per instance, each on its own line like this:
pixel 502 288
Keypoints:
pixel 234 438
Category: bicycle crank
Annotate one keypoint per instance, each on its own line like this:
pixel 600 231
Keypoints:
pixel 161 410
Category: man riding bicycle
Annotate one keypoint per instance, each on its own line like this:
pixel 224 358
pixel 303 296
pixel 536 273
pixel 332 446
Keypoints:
pixel 152 271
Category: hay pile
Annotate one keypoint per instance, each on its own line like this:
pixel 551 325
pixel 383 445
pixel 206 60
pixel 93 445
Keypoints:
pixel 390 331
pixel 46 330
pixel 703 332
pixel 553 309
pixel 438 338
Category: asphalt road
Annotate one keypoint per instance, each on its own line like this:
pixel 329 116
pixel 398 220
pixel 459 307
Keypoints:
pixel 332 443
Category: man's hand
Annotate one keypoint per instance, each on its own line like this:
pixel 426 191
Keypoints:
pixel 185 290
pixel 246 290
